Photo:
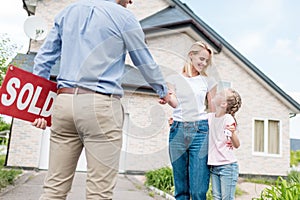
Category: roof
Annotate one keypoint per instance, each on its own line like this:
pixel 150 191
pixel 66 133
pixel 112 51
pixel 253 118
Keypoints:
pixel 174 17
pixel 179 14
pixel 25 61
pixel 170 15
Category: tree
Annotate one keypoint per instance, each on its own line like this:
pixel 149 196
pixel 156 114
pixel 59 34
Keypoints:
pixel 7 51
pixel 4 125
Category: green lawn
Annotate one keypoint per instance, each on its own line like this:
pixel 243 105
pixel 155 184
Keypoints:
pixel 7 176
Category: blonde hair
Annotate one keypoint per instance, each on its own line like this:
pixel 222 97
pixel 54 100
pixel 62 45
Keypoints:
pixel 234 101
pixel 195 49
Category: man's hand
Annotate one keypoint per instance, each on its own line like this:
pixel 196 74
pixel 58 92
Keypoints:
pixel 165 99
pixel 170 99
pixel 40 123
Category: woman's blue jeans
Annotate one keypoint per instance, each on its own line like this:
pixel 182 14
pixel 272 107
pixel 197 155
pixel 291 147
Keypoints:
pixel 224 179
pixel 188 148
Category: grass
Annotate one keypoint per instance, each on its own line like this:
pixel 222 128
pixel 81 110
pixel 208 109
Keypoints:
pixel 151 194
pixel 161 178
pixel 261 180
pixel 7 176
pixel 239 192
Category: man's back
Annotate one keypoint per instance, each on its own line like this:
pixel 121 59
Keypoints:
pixel 91 37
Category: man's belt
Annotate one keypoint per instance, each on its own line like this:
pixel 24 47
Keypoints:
pixel 78 90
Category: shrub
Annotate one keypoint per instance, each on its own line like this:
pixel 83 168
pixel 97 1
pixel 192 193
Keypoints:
pixel 293 176
pixel 283 189
pixel 295 158
pixel 7 177
pixel 161 178
pixel 2 159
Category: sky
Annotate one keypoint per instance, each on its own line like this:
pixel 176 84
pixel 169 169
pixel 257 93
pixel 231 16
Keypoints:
pixel 12 17
pixel 266 32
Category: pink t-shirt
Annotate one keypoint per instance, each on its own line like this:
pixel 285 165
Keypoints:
pixel 218 151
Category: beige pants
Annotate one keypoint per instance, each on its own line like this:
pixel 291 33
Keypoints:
pixel 93 122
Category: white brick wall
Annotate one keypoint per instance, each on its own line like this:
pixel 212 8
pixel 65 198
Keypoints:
pixel 48 9
pixel 24 146
pixel 147 145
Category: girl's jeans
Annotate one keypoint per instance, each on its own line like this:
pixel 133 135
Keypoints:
pixel 188 148
pixel 224 179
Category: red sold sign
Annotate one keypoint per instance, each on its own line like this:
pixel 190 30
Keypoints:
pixel 26 96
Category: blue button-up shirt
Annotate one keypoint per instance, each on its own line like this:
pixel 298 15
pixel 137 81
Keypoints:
pixel 91 38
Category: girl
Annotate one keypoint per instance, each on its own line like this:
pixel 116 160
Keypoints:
pixel 224 167
pixel 188 142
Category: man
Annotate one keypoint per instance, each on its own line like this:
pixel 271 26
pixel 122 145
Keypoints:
pixel 91 37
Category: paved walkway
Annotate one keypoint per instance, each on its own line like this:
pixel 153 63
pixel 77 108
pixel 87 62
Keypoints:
pixel 29 187
pixel 129 187
pixel 252 190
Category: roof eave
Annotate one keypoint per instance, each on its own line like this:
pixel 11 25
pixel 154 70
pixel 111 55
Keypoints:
pixel 29 6
pixel 187 23
pixel 287 99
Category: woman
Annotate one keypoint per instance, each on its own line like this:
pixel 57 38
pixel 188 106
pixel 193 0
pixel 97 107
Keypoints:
pixel 188 140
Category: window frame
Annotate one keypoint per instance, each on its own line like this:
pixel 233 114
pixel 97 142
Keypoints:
pixel 265 153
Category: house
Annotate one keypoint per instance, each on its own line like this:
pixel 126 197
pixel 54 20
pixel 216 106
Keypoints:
pixel 170 28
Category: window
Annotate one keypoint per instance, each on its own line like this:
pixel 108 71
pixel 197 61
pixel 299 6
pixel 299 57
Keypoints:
pixel 266 136
pixel 273 135
pixel 259 136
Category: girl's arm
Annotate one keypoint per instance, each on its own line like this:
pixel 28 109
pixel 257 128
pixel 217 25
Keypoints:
pixel 235 140
pixel 209 96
